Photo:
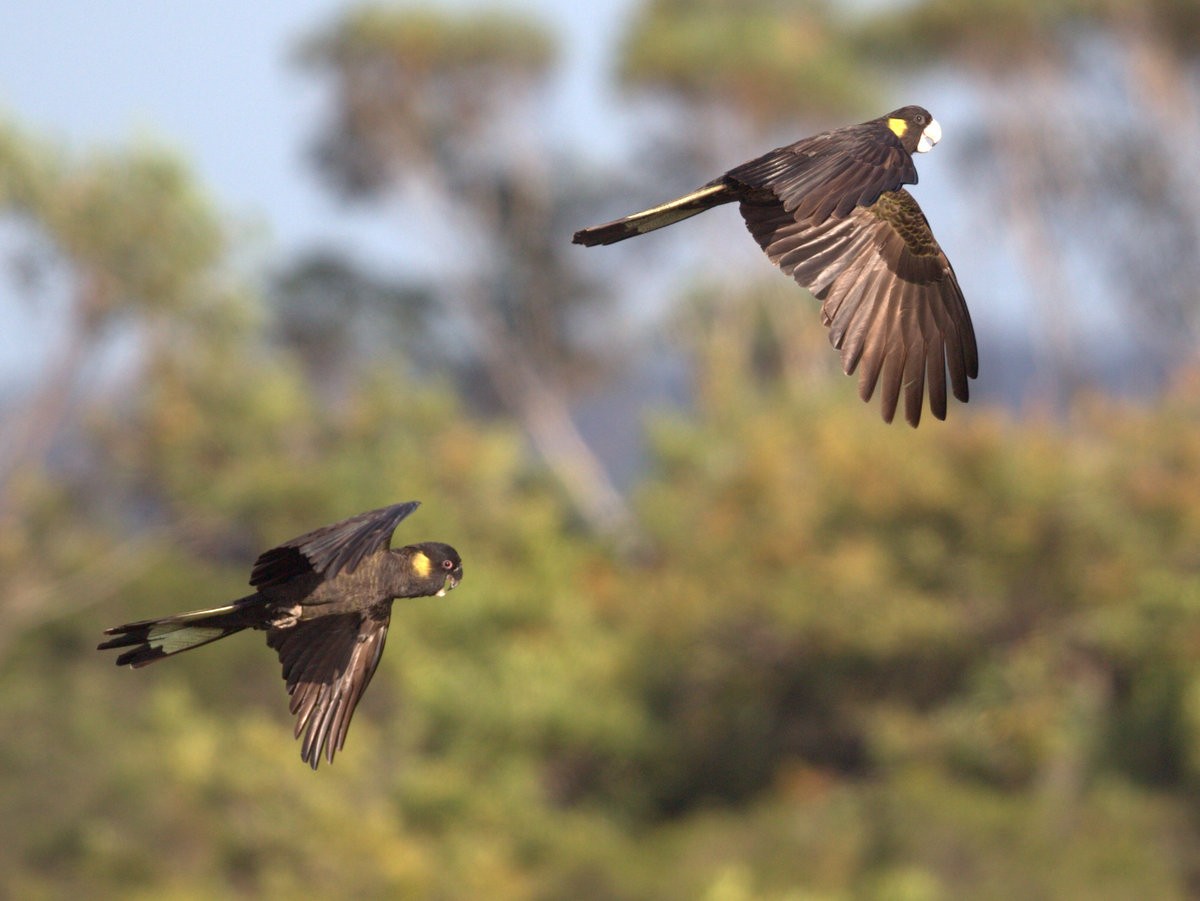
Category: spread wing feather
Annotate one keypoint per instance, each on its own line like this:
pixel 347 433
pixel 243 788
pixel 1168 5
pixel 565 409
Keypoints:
pixel 330 549
pixel 889 295
pixel 327 665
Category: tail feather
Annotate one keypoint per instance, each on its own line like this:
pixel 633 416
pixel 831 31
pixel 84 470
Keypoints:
pixel 153 639
pixel 673 211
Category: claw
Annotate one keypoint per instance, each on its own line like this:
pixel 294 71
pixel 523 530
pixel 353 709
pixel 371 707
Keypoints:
pixel 286 618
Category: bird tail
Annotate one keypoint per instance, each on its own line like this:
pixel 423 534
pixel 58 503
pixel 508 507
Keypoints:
pixel 688 205
pixel 153 639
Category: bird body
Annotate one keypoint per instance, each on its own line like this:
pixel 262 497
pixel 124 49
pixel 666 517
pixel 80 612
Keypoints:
pixel 325 601
pixel 379 578
pixel 831 212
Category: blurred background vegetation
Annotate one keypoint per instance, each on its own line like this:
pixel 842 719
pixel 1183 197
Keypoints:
pixel 768 648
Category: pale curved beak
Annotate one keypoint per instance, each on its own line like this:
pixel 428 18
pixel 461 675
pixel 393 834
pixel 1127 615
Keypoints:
pixel 929 136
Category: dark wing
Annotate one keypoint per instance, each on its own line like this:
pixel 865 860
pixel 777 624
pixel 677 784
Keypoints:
pixel 887 292
pixel 330 549
pixel 830 174
pixel 327 664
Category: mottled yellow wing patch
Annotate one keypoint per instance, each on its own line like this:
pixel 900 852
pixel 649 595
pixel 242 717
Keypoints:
pixel 421 564
pixel 898 127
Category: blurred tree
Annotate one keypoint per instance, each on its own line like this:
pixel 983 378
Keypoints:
pixel 209 443
pixel 444 106
pixel 337 317
pixel 108 241
pixel 971 616
pixel 774 63
pixel 121 251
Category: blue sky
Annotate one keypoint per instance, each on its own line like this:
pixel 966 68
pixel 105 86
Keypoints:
pixel 214 82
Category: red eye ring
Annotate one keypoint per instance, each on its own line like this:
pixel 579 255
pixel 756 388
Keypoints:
pixel 447 563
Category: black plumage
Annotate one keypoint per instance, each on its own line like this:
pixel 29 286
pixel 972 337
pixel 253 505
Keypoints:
pixel 325 601
pixel 830 212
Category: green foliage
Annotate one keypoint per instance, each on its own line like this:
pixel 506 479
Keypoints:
pixel 131 223
pixel 417 85
pixel 854 660
pixel 994 31
pixel 426 40
pixel 770 61
pixel 999 32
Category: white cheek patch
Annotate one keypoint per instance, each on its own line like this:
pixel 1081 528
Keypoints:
pixel 929 136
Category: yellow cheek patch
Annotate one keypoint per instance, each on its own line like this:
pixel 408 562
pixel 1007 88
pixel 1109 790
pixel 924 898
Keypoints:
pixel 421 564
pixel 898 127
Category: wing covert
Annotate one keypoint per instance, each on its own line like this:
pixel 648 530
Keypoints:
pixel 330 549
pixel 327 665
pixel 830 174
